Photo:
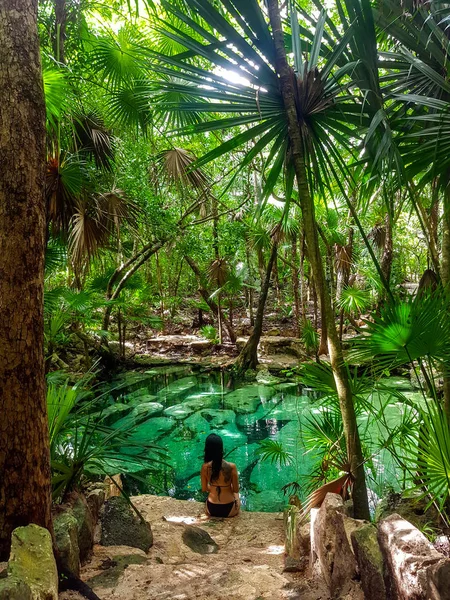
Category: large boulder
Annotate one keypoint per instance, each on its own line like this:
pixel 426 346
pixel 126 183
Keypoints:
pixel 122 527
pixel 32 573
pixel 199 540
pixel 66 538
pixel 370 561
pixel 407 557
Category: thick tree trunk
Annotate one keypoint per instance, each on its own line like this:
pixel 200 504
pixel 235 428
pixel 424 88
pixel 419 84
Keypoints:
pixel 25 493
pixel 248 358
pixel 287 81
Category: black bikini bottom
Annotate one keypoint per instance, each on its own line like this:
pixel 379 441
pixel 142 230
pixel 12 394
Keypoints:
pixel 219 510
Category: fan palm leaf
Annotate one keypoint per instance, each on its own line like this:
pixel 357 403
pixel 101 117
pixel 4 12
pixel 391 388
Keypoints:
pixel 254 100
pixel 407 330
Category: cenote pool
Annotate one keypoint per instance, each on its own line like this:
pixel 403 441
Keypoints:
pixel 187 404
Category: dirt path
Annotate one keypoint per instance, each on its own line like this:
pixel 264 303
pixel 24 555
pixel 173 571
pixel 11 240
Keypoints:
pixel 248 565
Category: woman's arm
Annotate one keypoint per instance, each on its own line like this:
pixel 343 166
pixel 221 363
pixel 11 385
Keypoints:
pixel 204 478
pixel 234 479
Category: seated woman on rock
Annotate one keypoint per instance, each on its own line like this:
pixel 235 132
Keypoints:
pixel 220 479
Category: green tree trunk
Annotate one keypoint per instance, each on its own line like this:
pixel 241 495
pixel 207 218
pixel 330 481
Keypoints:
pixel 296 286
pixel 287 78
pixel 445 277
pixel 248 358
pixel 25 492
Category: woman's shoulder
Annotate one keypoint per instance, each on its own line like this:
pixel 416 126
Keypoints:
pixel 230 465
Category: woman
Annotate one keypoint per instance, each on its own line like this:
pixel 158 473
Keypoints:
pixel 220 479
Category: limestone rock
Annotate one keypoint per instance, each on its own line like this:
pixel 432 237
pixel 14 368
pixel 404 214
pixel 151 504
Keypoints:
pixel 122 527
pixel 114 412
pixel 199 540
pixel 370 561
pixel 264 377
pixel 85 523
pixel 438 581
pixel 324 523
pixel 14 589
pixel 407 556
pixel 281 345
pixel 32 573
pixel 344 569
pixel 66 537
pixel 95 500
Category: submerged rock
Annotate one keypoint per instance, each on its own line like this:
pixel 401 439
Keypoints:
pixel 247 399
pixel 32 573
pixel 199 540
pixel 122 527
pixel 218 418
pixel 114 412
pixel 154 428
pixel 147 409
pixel 179 411
pixel 178 388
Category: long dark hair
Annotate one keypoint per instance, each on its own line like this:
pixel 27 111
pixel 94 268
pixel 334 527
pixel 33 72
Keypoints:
pixel 214 453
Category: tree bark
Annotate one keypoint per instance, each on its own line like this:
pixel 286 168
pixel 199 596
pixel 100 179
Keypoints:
pixel 296 287
pixel 25 492
pixel 60 30
pixel 248 357
pixel 388 251
pixel 353 444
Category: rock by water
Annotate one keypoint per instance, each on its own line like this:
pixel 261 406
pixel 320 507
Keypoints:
pixel 122 527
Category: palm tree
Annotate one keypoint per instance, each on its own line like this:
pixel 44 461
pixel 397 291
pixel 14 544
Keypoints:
pixel 416 82
pixel 298 117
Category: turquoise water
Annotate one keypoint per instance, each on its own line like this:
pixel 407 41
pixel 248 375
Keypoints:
pixel 186 405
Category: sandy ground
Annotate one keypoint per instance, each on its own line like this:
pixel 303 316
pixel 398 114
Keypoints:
pixel 248 565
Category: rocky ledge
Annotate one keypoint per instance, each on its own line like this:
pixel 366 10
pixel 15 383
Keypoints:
pixel 193 557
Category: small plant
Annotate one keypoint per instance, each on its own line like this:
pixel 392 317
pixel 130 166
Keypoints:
pixel 274 451
pixel 310 337
pixel 210 333
pixel 82 444
pixel 354 301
